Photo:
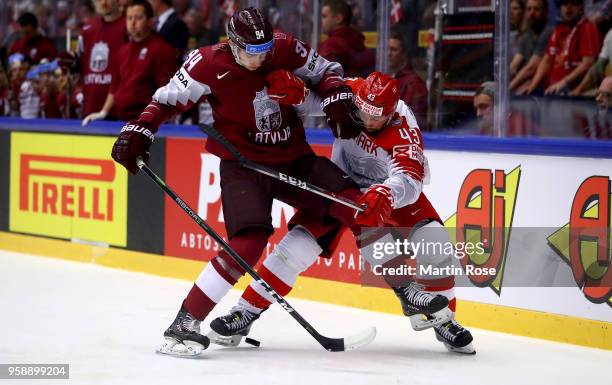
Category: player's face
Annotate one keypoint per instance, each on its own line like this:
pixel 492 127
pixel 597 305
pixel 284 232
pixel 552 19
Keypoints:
pixel 251 62
pixel 138 25
pixel 373 123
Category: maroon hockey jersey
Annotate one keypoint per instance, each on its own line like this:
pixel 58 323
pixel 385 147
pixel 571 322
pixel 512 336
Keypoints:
pixel 98 47
pixel 262 129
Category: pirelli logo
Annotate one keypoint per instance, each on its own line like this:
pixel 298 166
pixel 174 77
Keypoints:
pixel 68 187
pixel 66 199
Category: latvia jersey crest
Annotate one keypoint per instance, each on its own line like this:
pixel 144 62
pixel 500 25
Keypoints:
pixel 99 57
pixel 267 112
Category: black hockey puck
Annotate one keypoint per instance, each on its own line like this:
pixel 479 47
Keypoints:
pixel 252 341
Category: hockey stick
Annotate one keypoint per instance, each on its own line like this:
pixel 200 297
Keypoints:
pixel 216 135
pixel 331 344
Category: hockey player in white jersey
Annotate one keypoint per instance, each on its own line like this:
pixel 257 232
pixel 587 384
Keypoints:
pixel 387 162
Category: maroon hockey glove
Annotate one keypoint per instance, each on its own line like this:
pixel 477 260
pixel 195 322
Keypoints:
pixel 337 106
pixel 286 88
pixel 379 203
pixel 133 141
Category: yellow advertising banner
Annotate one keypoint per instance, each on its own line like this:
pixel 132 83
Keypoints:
pixel 67 186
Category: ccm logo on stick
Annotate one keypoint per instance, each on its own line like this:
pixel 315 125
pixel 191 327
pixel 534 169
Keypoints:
pixel 291 180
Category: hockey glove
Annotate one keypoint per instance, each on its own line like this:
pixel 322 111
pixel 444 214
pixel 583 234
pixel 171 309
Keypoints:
pixel 134 140
pixel 379 203
pixel 337 108
pixel 286 88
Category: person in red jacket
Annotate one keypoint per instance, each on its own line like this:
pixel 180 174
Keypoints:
pixel 32 44
pixel 143 65
pixel 344 44
pixel 413 90
pixel 572 48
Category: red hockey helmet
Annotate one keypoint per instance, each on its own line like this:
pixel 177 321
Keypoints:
pixel 377 95
pixel 250 30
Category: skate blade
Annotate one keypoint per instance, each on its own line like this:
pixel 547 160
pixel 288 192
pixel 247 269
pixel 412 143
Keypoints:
pixel 420 322
pixel 230 341
pixel 175 348
pixel 227 341
pixel 467 349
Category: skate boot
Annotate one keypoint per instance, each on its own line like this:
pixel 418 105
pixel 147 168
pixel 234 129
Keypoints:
pixel 424 309
pixel 229 330
pixel 455 337
pixel 183 338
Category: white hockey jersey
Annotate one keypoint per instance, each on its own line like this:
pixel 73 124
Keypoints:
pixel 392 157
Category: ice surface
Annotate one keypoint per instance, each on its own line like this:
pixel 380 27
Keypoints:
pixel 107 323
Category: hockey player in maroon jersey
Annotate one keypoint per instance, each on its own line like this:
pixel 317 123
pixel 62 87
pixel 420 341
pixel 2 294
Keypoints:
pixel 265 128
pixel 388 163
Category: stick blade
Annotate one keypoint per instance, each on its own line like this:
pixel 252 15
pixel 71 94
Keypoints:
pixel 349 343
pixel 361 339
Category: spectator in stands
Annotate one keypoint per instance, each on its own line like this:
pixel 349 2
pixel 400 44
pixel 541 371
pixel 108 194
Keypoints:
pixel 18 66
pixel 344 44
pixel 604 108
pixel 598 71
pixel 170 26
pixel 4 92
pixel 123 6
pixel 517 13
pixel 483 105
pixel 32 44
pixel 199 35
pixel 413 90
pixel 29 100
pixel 600 13
pixel 144 64
pixel 598 125
pixel 97 53
pixel 85 12
pixel 47 88
pixel 572 49
pixel 532 45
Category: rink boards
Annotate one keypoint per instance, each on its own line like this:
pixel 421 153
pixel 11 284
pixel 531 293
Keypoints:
pixel 64 187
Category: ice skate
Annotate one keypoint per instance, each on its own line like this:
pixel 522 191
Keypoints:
pixel 183 338
pixel 229 330
pixel 455 337
pixel 424 309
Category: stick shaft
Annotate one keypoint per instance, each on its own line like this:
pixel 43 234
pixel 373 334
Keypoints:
pixel 332 344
